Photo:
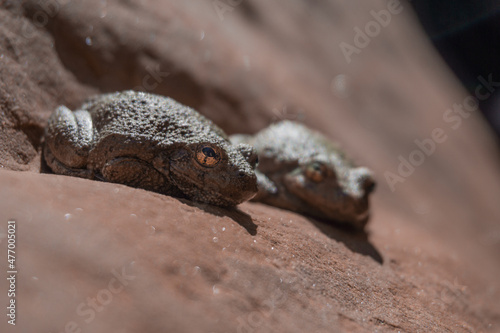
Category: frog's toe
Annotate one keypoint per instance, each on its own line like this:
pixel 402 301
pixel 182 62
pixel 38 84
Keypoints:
pixel 69 135
pixel 60 168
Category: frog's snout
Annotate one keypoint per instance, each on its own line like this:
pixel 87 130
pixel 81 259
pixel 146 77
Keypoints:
pixel 368 184
pixel 364 181
pixel 249 153
pixel 240 187
pixel 247 180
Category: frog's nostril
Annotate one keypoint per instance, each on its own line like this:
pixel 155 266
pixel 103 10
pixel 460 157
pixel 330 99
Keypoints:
pixel 368 184
pixel 249 154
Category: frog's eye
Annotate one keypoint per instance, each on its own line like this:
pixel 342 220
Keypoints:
pixel 316 172
pixel 208 156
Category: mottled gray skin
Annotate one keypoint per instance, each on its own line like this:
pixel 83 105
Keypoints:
pixel 301 170
pixel 150 142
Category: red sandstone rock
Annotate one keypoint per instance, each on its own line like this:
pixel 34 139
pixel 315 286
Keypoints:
pixel 429 262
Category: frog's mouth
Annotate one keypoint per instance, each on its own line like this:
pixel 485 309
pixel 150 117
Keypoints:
pixel 200 192
pixel 208 193
pixel 346 211
pixel 334 204
pixel 350 211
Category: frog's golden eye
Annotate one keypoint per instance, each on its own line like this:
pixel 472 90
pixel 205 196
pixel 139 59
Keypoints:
pixel 316 172
pixel 208 156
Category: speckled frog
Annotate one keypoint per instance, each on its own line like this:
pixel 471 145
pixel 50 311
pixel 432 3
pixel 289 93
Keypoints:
pixel 151 142
pixel 301 170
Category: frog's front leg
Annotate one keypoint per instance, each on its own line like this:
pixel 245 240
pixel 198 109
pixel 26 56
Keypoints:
pixel 68 140
pixel 135 172
pixel 266 187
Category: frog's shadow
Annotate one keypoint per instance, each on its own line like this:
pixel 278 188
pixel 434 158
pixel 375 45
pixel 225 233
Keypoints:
pixel 234 213
pixel 44 167
pixel 355 240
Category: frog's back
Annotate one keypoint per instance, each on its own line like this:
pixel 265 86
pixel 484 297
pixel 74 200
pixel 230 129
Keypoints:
pixel 148 116
pixel 292 141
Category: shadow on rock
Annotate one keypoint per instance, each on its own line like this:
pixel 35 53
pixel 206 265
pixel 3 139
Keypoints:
pixel 355 240
pixel 44 167
pixel 235 214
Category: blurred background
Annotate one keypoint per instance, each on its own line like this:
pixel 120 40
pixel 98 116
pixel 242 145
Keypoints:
pixel 467 35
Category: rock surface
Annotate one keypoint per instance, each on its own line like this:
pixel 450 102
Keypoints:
pixel 428 262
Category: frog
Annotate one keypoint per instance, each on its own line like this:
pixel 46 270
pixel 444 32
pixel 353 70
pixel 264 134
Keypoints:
pixel 303 171
pixel 151 142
